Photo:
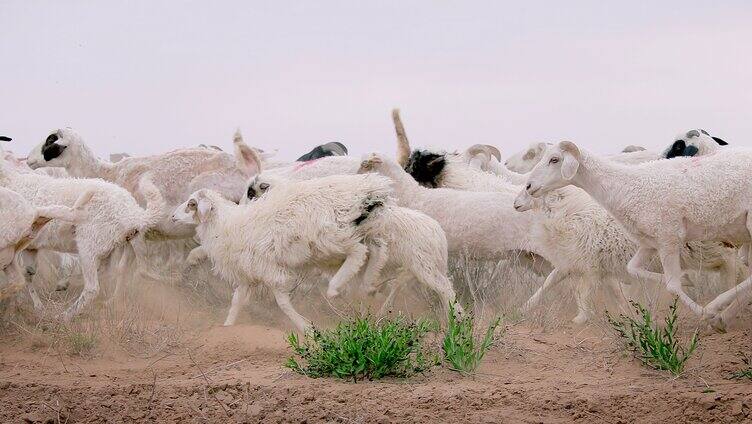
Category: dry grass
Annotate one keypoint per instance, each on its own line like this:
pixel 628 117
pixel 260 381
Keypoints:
pixel 154 317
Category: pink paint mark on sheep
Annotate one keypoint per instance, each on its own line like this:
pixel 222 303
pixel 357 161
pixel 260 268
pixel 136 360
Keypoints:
pixel 304 164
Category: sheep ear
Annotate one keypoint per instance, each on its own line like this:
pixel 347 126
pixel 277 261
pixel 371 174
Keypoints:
pixel 571 159
pixel 247 159
pixel 204 207
pixel 719 141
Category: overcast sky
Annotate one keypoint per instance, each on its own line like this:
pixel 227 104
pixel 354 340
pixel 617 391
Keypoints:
pixel 144 77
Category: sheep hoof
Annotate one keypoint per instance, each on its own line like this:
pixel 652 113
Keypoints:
pixel 718 324
pixel 580 319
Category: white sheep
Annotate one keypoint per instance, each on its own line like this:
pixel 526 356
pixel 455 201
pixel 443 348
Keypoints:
pixel 400 241
pixel 176 174
pixel 483 224
pixel 662 205
pixel 288 233
pixel 114 222
pixel 20 223
pixel 693 143
pixel 583 241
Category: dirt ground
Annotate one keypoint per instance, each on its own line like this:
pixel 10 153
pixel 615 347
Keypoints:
pixel 235 375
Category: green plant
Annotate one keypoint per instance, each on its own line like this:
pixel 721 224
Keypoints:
pixel 656 346
pixel 461 349
pixel 362 348
pixel 745 373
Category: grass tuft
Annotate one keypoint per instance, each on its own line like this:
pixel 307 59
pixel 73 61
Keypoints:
pixel 655 345
pixel 744 373
pixel 363 348
pixel 461 349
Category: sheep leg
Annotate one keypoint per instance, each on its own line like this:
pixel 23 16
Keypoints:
pixel 16 280
pixel 673 273
pixel 401 279
pixel 283 301
pixel 121 272
pixel 439 283
pixel 240 297
pixel 377 257
pixel 89 267
pixel 197 255
pixel 725 307
pixel 637 265
pixel 554 278
pixel 583 298
pixel 348 270
pixel 740 297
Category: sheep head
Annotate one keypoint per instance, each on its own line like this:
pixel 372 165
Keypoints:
pixel 556 169
pixel 259 185
pixel 195 210
pixel 522 162
pixel 59 149
pixel 692 143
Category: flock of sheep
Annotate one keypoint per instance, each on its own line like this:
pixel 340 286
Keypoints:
pixel 569 213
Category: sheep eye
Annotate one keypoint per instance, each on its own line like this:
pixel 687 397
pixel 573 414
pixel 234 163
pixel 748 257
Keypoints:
pixel 192 204
pixel 264 186
pixel 554 160
pixel 365 164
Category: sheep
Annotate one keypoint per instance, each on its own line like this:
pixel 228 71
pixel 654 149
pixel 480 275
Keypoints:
pixel 176 174
pixel 329 149
pixel 632 148
pixel 662 205
pixel 114 222
pixel 402 241
pixel 582 240
pixel 454 170
pixel 285 235
pixel 117 157
pixel 483 224
pixel 524 161
pixel 693 143
pixel 20 223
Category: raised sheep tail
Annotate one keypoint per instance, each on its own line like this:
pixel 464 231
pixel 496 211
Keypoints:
pixel 403 144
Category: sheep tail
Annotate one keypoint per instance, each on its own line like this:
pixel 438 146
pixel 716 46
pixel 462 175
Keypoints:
pixel 238 137
pixel 403 145
pixel 155 202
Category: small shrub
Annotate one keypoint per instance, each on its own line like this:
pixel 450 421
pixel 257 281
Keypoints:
pixel 655 346
pixel 80 344
pixel 362 348
pixel 461 350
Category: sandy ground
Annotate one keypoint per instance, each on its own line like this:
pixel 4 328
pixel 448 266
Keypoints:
pixel 235 375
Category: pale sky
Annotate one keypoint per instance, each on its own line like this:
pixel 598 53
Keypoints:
pixel 149 76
